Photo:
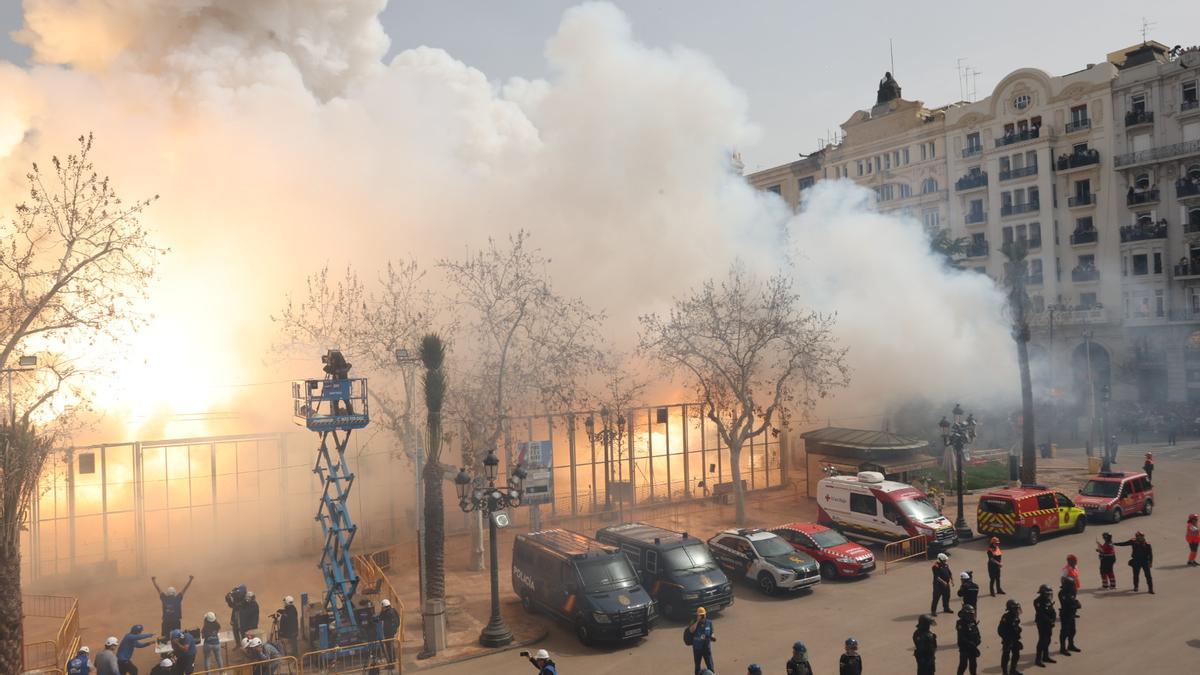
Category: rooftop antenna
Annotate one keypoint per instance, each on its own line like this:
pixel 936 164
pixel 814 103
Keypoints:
pixel 1146 26
pixel 962 94
pixel 974 82
pixel 892 56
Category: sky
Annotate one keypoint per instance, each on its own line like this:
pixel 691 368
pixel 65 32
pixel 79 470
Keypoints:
pixel 805 67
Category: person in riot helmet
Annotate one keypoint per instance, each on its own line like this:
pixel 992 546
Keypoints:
pixel 925 645
pixel 1044 616
pixel 249 616
pixel 1068 611
pixel 995 561
pixel 850 662
pixel 798 664
pixel 1010 638
pixel 969 640
pixel 1141 559
pixel 942 580
pixel 968 590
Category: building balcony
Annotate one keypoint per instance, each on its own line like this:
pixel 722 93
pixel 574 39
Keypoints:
pixel 975 217
pixel 1078 125
pixel 976 249
pixel 1019 172
pixel 1085 274
pixel 1064 315
pixel 971 181
pixel 1186 189
pixel 1136 198
pixel 1189 106
pixel 1184 316
pixel 1017 209
pixel 1035 279
pixel 1018 137
pixel 1144 232
pixel 1079 201
pixel 1135 118
pixel 972 151
pixel 1158 154
pixel 1082 237
pixel 1077 160
pixel 1187 269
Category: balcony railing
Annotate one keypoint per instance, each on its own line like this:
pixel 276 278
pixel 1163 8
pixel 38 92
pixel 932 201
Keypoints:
pixel 1144 231
pixel 1063 314
pixel 1015 209
pixel 1082 200
pixel 1157 154
pixel 1080 237
pixel 1035 279
pixel 1085 274
pixel 1189 105
pixel 1079 125
pixel 977 249
pixel 1135 117
pixel 1018 136
pixel 1186 188
pixel 976 217
pixel 1134 198
pixel 1187 269
pixel 972 150
pixel 1019 172
pixel 1076 160
pixel 971 181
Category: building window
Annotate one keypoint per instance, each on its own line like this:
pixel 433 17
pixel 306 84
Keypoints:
pixel 806 183
pixel 1035 268
pixel 974 143
pixel 905 190
pixel 932 219
pixel 933 150
pixel 1159 303
pixel 1083 189
pixel 1189 93
pixel 1079 149
pixel 906 160
pixel 896 157
pixel 1141 265
pixel 1006 235
pixel 1079 114
pixel 1021 102
pixel 929 186
pixel 777 189
pixel 1158 262
pixel 887 161
pixel 1142 182
pixel 924 156
pixel 976 206
pixel 1035 235
pixel 878 163
pixel 1137 103
pixel 1088 300
pixel 860 167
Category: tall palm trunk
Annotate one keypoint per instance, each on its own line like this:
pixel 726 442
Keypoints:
pixel 11 636
pixel 1016 274
pixel 433 355
pixel 1028 451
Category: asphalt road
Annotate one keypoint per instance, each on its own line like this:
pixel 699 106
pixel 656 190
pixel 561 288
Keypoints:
pixel 1118 631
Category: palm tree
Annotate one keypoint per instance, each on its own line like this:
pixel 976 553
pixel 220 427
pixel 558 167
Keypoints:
pixel 951 249
pixel 1016 274
pixel 433 355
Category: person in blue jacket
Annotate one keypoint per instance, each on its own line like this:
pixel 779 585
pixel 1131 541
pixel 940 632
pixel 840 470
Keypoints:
pixel 134 639
pixel 80 665
pixel 172 605
pixel 184 646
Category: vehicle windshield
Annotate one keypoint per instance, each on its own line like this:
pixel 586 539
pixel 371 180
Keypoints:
pixel 772 546
pixel 918 508
pixel 689 559
pixel 1101 488
pixel 829 538
pixel 602 574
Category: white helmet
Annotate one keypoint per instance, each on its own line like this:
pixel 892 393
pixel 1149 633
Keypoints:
pixel 171 590
pixel 166 663
pixel 209 616
pixel 245 642
pixel 85 649
pixel 942 557
pixel 112 641
pixel 385 603
pixel 256 642
pixel 964 576
pixel 542 654
pixel 289 600
pixel 249 594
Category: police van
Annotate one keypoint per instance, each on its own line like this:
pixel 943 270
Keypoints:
pixel 583 582
pixel 869 508
pixel 679 570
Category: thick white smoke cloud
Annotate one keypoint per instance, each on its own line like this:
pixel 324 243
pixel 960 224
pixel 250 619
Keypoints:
pixel 280 141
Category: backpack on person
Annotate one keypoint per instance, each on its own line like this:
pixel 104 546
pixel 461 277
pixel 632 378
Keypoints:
pixel 688 635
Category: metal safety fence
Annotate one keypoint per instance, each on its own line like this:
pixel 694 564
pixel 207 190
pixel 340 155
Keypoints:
pixel 277 666
pixel 904 550
pixel 381 658
pixel 373 580
pixel 52 653
pixel 38 655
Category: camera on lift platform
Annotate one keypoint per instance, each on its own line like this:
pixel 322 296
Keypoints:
pixel 336 365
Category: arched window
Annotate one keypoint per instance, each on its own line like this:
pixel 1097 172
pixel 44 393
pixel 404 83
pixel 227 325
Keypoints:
pixel 1193 172
pixel 1142 182
pixel 928 186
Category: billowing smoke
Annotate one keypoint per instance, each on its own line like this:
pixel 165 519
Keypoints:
pixel 280 141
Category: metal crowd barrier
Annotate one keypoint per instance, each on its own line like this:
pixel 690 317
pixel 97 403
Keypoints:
pixel 39 655
pixel 381 657
pixel 271 667
pixel 66 640
pixel 904 549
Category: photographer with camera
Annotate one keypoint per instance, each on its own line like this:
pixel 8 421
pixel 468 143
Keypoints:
pixel 236 599
pixel 541 661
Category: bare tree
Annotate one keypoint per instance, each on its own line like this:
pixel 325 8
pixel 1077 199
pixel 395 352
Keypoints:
pixel 74 264
pixel 754 356
pixel 1016 276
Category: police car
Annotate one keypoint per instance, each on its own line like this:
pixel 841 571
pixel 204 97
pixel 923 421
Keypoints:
pixel 765 558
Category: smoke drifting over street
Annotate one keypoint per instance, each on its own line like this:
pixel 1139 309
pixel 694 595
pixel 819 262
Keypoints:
pixel 280 141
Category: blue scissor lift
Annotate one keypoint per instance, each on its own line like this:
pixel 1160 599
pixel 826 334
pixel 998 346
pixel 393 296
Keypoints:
pixel 333 407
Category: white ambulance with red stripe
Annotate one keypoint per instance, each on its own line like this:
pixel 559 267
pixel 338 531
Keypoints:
pixel 867 507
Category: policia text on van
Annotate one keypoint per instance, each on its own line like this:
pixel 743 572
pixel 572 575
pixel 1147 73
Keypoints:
pixel 679 570
pixel 583 582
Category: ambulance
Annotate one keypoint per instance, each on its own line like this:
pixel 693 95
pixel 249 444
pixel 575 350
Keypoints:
pixel 869 508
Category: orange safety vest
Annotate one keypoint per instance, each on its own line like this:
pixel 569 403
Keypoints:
pixel 1193 534
pixel 1072 573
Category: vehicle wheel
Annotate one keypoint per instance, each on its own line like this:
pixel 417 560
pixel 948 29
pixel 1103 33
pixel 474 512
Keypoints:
pixel 1080 524
pixel 1032 537
pixel 1116 516
pixel 828 571
pixel 766 583
pixel 527 603
pixel 1148 508
pixel 582 632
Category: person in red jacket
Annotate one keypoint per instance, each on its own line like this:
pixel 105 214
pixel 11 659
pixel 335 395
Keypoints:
pixel 1071 570
pixel 1108 558
pixel 1148 467
pixel 1193 539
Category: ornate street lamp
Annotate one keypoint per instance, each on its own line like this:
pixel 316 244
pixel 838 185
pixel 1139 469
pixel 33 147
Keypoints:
pixel 956 435
pixel 606 435
pixel 491 502
pixel 1109 454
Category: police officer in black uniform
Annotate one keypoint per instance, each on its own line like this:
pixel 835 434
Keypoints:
pixel 1141 559
pixel 1068 610
pixel 968 639
pixel 1010 638
pixel 851 662
pixel 1044 616
pixel 968 590
pixel 941 584
pixel 925 644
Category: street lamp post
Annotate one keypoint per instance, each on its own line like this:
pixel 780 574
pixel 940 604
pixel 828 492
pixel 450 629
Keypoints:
pixel 606 435
pixel 956 435
pixel 24 363
pixel 491 502
pixel 1105 397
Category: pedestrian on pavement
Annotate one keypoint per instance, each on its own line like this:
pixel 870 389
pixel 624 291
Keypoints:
pixel 1172 429
pixel 289 627
pixel 134 639
pixel 541 660
pixel 850 663
pixel 210 638
pixel 172 605
pixel 995 561
pixel 1071 570
pixel 106 660
pixel 1010 638
pixel 798 664
pixel 389 618
pixel 968 590
pixel 941 584
pixel 1068 611
pixel 925 644
pixel 1044 617
pixel 1193 539
pixel 80 665
pixel 1148 466
pixel 1141 559
pixel 968 640
pixel 1108 560
pixel 164 667
pixel 702 639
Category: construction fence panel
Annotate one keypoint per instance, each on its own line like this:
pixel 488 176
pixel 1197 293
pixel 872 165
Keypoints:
pixel 382 657
pixel 277 666
pixel 904 550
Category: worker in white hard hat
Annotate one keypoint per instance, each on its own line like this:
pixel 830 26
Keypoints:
pixel 210 638
pixel 389 621
pixel 172 605
pixel 289 627
pixel 106 660
pixel 541 661
pixel 80 664
pixel 164 667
